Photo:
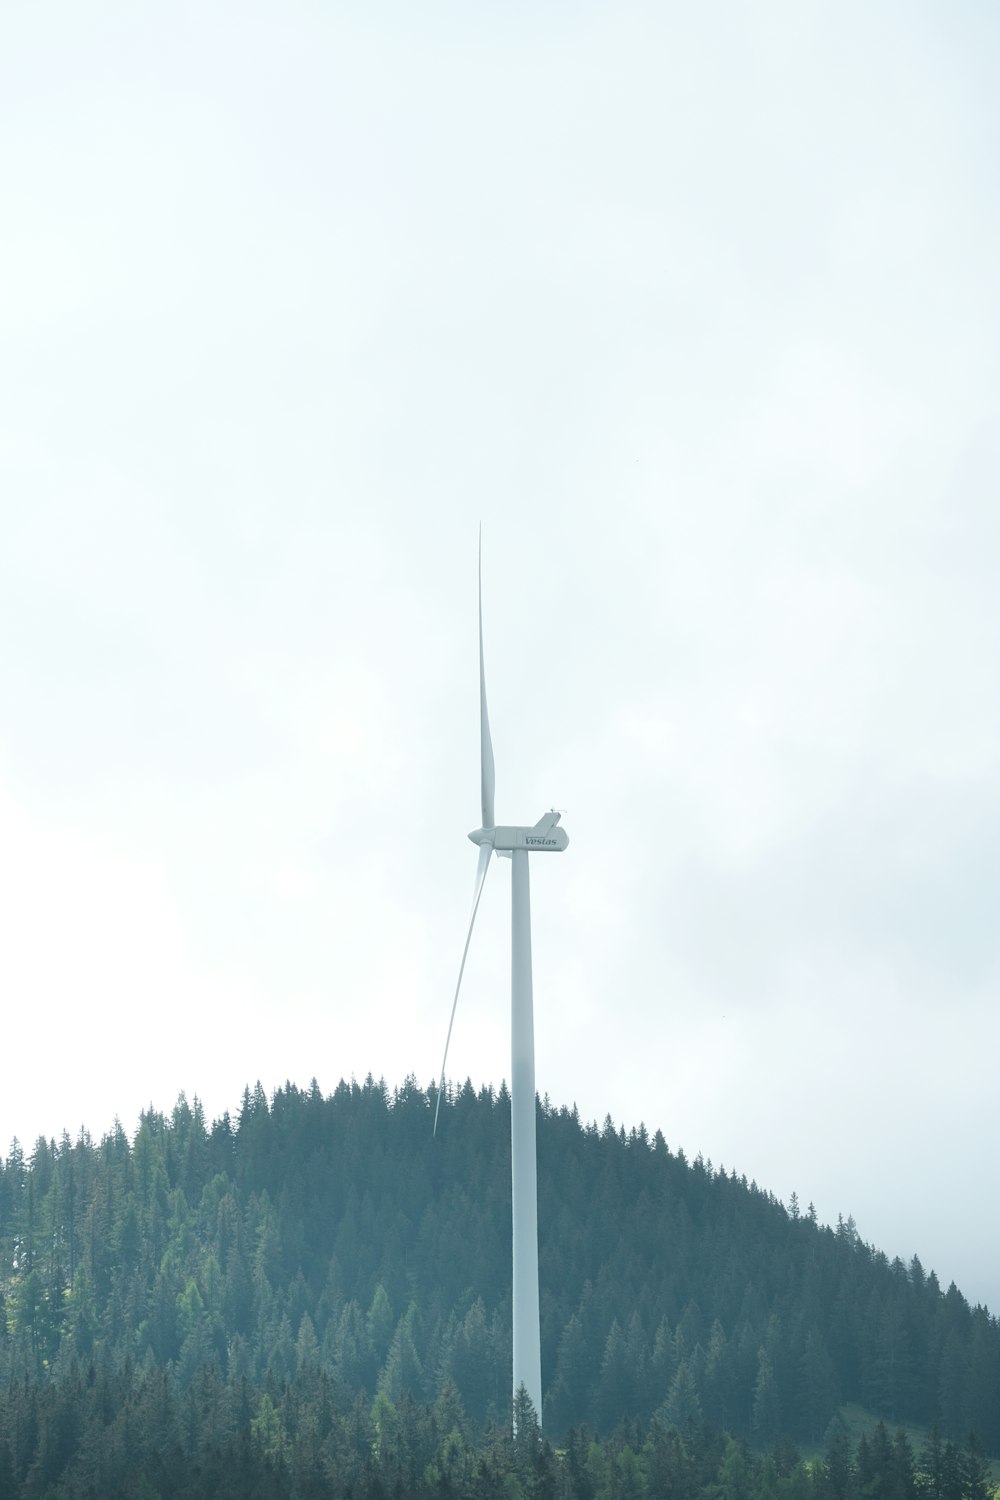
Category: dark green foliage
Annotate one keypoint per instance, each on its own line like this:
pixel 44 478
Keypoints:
pixel 120 1435
pixel 317 1300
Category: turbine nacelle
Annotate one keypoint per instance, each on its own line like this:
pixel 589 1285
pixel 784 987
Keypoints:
pixel 544 837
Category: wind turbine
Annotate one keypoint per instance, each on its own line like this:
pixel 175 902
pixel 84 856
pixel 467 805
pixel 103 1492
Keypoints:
pixel 514 844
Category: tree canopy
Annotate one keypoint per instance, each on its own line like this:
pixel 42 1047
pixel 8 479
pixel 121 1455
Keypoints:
pixel 325 1253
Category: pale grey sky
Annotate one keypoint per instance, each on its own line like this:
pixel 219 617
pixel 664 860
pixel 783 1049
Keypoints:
pixel 698 312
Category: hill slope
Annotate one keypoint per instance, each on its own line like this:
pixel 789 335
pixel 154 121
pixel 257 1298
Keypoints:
pixel 334 1230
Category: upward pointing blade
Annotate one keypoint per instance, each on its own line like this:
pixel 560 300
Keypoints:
pixel 485 850
pixel 485 742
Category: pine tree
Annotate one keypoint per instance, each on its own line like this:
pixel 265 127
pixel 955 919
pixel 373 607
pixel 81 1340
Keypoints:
pixel 767 1417
pixel 975 1471
pixel 614 1392
pixel 817 1386
pixel 401 1373
pixel 838 1465
pixel 682 1408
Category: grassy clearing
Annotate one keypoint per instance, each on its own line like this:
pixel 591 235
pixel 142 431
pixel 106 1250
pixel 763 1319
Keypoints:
pixel 861 1423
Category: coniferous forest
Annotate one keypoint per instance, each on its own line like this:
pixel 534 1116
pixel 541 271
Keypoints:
pixel 314 1300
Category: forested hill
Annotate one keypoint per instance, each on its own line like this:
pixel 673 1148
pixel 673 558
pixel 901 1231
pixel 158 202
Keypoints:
pixel 334 1232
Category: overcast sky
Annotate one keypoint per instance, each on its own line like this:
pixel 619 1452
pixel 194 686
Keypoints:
pixel 698 310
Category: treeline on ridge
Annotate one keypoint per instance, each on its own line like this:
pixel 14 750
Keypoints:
pixel 332 1233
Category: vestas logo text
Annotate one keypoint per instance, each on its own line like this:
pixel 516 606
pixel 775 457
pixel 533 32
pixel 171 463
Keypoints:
pixel 545 843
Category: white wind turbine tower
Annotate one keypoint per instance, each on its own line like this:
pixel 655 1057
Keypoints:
pixel 514 844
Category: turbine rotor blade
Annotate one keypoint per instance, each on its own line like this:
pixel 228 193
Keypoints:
pixel 485 742
pixel 485 850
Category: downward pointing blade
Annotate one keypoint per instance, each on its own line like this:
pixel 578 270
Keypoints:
pixel 485 850
pixel 485 742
